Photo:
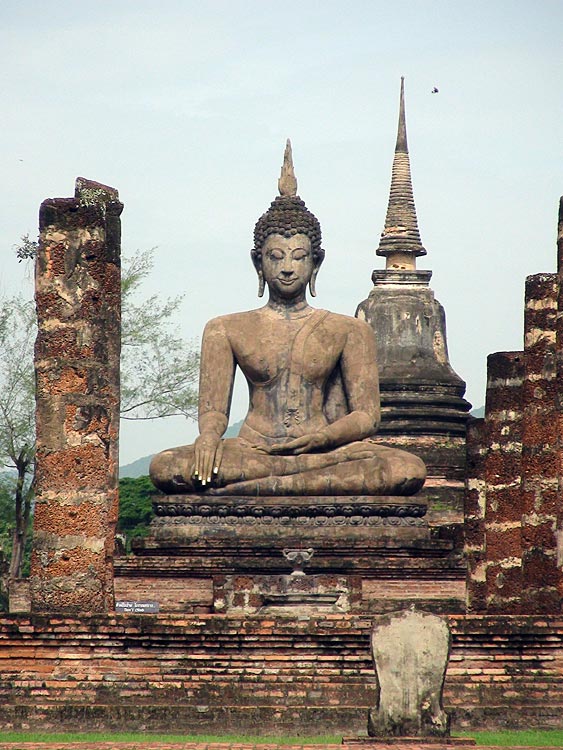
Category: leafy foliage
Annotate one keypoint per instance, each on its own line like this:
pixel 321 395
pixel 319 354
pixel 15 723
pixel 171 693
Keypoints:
pixel 27 249
pixel 17 426
pixel 158 369
pixel 135 507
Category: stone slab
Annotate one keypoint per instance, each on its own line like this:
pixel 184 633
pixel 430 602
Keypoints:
pixel 410 651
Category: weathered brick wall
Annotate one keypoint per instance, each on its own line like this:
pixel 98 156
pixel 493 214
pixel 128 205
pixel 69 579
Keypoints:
pixel 77 374
pixel 427 594
pixel 193 595
pixel 435 590
pixel 514 483
pixel 506 671
pixel 255 675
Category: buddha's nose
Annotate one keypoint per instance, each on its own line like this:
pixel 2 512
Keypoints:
pixel 288 266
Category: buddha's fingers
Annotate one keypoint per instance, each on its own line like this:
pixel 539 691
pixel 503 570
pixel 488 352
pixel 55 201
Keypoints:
pixel 199 474
pixel 281 449
pixel 207 465
pixel 303 444
pixel 218 458
pixel 205 451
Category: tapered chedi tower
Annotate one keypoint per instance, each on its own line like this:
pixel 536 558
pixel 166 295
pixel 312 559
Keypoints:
pixel 421 396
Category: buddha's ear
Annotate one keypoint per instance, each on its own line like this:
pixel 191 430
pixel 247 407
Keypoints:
pixel 260 282
pixel 313 279
pixel 257 262
pixel 312 282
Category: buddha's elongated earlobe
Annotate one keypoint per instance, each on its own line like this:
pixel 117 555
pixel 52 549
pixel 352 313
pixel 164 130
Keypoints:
pixel 313 279
pixel 312 282
pixel 261 283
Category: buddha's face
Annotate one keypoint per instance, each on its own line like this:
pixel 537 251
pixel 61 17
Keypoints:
pixel 287 264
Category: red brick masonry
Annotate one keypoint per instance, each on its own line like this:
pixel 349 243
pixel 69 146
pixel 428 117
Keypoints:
pixel 217 673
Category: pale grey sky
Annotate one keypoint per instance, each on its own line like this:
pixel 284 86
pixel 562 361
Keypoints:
pixel 184 106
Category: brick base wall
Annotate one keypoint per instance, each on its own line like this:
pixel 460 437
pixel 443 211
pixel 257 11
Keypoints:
pixel 219 673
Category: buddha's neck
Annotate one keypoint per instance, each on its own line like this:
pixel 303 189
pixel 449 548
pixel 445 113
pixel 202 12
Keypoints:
pixel 288 309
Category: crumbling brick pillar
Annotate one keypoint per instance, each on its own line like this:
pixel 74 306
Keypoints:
pixel 541 448
pixel 474 514
pixel 77 375
pixel 559 397
pixel 493 505
pixel 503 507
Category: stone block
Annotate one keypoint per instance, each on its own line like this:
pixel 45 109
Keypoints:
pixel 410 650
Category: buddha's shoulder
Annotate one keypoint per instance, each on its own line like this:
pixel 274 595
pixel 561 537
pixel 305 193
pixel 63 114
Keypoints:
pixel 251 320
pixel 234 321
pixel 347 323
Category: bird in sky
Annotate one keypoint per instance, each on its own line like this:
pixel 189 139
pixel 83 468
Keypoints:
pixel 434 90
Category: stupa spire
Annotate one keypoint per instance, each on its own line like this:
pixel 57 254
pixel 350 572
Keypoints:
pixel 400 240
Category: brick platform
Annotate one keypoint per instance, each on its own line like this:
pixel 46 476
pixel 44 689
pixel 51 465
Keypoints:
pixel 255 676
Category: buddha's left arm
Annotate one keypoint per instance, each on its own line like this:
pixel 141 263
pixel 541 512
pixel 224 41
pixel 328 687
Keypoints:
pixel 358 365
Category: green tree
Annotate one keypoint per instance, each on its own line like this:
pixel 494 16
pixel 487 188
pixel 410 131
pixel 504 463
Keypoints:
pixel 135 507
pixel 158 379
pixel 159 369
pixel 17 422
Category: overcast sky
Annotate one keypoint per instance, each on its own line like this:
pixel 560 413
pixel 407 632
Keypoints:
pixel 184 106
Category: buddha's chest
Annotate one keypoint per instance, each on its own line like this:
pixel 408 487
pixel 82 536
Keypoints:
pixel 277 352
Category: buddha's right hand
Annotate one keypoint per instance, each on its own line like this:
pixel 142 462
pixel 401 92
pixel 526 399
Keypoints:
pixel 207 461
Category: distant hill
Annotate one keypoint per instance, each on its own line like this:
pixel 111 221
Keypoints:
pixel 138 468
pixel 234 429
pixel 480 412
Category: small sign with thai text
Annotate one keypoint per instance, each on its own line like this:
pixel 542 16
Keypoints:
pixel 137 608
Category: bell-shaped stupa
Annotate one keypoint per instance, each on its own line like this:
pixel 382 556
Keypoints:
pixel 420 392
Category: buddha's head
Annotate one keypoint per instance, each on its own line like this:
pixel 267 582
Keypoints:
pixel 288 222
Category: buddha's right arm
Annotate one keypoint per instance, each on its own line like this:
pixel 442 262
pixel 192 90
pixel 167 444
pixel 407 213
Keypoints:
pixel 216 379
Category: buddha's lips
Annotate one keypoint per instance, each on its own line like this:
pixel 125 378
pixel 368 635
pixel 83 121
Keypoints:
pixel 288 281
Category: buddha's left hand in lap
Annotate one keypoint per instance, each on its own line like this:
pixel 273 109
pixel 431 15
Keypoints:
pixel 317 441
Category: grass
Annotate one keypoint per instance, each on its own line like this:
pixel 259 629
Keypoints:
pixel 532 738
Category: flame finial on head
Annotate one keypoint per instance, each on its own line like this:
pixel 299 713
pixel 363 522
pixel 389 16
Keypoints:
pixel 288 215
pixel 287 184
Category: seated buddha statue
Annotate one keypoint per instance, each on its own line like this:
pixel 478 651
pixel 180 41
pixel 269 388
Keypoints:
pixel 312 381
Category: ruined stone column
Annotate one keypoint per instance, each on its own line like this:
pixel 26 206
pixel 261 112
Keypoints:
pixel 474 515
pixel 559 396
pixel 541 448
pixel 493 499
pixel 77 373
pixel 503 460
